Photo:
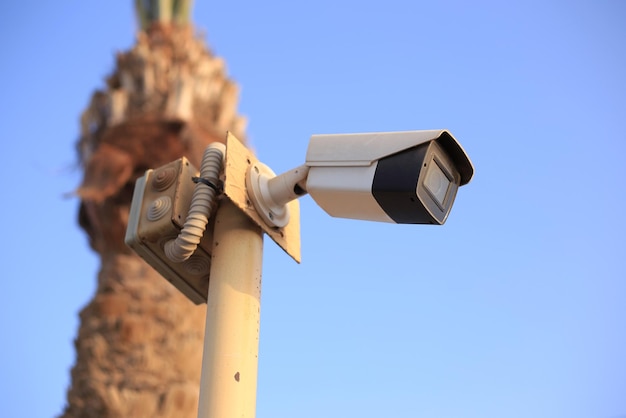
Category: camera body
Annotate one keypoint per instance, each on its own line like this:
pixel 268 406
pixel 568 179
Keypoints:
pixel 398 177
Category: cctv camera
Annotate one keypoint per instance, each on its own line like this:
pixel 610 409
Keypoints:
pixel 399 177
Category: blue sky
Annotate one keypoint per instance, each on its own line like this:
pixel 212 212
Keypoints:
pixel 516 307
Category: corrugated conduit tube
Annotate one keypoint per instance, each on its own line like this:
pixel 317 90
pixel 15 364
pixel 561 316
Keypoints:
pixel 202 202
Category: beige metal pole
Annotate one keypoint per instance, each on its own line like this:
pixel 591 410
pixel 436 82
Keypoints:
pixel 230 360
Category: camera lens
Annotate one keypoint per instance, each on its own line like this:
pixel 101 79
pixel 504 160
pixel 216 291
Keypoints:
pixel 436 182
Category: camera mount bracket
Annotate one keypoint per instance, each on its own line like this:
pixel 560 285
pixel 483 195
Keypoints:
pixel 258 185
pixel 239 162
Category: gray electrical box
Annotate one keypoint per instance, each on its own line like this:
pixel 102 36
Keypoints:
pixel 160 204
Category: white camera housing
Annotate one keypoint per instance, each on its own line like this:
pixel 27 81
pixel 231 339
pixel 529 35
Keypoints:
pixel 398 177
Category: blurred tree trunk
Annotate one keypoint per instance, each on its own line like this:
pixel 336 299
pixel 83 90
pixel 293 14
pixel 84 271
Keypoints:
pixel 140 341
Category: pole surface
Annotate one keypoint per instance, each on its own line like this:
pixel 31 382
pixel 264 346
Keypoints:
pixel 231 343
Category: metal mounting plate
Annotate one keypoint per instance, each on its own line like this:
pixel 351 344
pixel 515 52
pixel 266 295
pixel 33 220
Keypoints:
pixel 239 160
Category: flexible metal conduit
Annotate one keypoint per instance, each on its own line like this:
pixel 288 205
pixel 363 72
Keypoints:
pixel 202 203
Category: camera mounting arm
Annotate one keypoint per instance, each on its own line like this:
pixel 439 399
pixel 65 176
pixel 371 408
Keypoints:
pixel 270 193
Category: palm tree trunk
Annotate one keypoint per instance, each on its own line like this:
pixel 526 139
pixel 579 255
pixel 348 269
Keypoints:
pixel 140 340
pixel 139 346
